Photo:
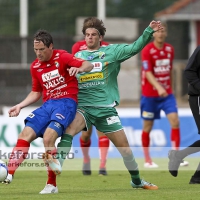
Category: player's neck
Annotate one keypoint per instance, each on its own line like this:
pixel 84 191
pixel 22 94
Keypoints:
pixel 93 48
pixel 158 45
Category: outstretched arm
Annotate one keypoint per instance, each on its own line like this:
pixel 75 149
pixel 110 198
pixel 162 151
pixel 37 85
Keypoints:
pixel 156 25
pixel 85 67
pixel 125 51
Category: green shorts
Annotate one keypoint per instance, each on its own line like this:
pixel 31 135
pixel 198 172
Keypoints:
pixel 105 119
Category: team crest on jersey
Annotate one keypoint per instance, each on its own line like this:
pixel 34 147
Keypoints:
pixel 57 64
pixel 145 65
pixel 102 55
pixel 90 57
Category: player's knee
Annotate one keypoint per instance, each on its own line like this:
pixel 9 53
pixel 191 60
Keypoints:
pixel 71 131
pixel 125 151
pixel 100 134
pixel 86 135
pixel 85 139
pixel 175 123
pixel 47 141
pixel 27 135
pixel 74 130
pixel 147 126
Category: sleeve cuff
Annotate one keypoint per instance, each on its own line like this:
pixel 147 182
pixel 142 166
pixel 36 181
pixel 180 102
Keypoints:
pixel 150 30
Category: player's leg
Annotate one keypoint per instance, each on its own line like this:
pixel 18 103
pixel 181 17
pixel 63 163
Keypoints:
pixel 175 130
pixel 65 143
pixel 64 146
pixel 108 122
pixel 147 127
pixel 119 139
pixel 49 139
pixel 32 130
pixel 64 112
pixel 170 108
pixel 20 151
pixel 77 125
pixel 195 179
pixel 176 157
pixel 149 112
pixel 103 150
pixel 85 143
pixel 194 106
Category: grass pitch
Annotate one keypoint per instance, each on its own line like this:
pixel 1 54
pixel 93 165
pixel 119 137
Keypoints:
pixel 73 185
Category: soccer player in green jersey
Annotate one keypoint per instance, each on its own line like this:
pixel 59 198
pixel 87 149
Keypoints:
pixel 98 96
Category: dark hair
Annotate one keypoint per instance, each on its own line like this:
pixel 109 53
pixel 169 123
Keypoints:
pixel 43 36
pixel 93 22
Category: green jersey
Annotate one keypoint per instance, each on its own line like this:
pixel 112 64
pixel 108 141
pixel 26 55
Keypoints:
pixel 99 87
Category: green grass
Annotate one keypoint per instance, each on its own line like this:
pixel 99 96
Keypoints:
pixel 116 186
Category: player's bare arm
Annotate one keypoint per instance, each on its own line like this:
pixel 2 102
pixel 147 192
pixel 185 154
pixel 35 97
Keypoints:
pixel 161 91
pixel 86 67
pixel 30 99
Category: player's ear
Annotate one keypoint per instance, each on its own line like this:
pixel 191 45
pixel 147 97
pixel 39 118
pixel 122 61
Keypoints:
pixel 51 46
pixel 100 38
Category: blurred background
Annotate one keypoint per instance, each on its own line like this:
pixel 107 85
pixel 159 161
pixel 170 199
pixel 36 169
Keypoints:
pixel 125 20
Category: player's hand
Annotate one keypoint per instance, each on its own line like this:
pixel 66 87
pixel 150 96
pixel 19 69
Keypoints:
pixel 156 25
pixel 74 70
pixel 14 111
pixel 162 92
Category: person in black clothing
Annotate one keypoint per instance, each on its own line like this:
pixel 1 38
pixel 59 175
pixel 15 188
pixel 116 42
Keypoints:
pixel 192 74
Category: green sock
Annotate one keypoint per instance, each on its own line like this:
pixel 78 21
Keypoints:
pixel 63 147
pixel 132 167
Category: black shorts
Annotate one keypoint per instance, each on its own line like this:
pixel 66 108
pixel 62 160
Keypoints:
pixel 194 102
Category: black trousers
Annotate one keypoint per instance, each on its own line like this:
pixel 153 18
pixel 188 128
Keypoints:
pixel 194 102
